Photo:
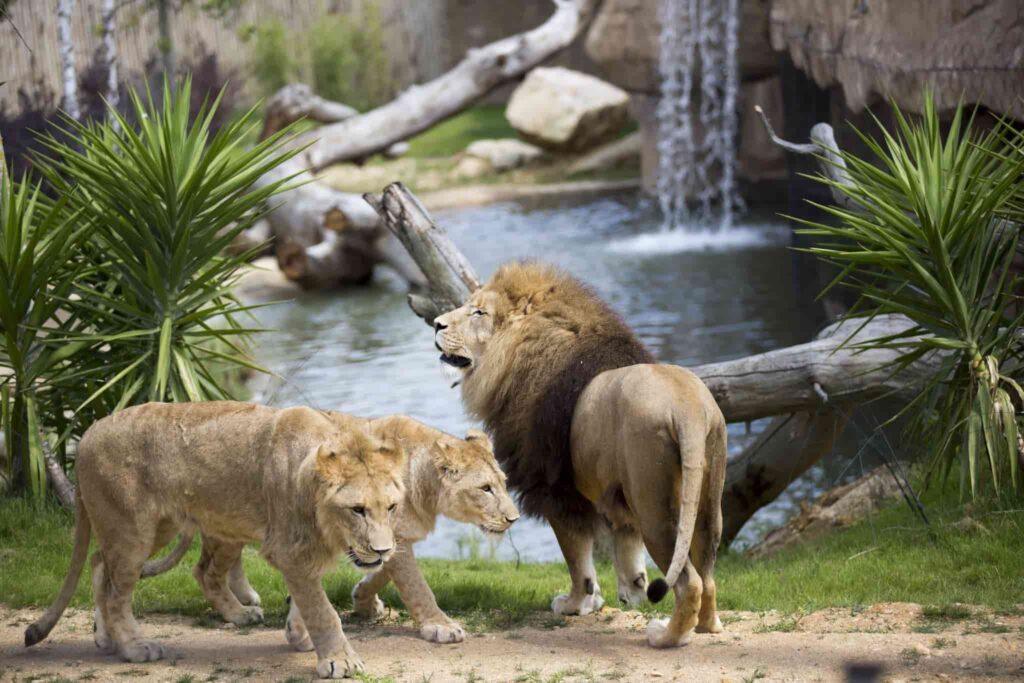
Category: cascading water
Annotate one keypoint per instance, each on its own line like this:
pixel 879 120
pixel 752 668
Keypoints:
pixel 697 122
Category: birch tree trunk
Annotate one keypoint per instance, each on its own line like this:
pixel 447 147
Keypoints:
pixel 67 58
pixel 108 13
pixel 166 44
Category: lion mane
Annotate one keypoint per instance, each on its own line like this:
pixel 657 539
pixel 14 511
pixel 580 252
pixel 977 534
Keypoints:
pixel 536 370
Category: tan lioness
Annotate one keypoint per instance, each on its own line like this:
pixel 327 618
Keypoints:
pixel 293 480
pixel 589 429
pixel 457 478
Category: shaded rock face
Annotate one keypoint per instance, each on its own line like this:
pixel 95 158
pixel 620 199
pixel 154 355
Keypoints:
pixel 623 40
pixel 565 110
pixel 505 154
pixel 897 48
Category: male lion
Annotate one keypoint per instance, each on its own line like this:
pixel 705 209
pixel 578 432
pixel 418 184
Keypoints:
pixel 445 475
pixel 289 479
pixel 586 425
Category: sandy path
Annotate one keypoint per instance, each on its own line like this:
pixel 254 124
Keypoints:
pixel 604 647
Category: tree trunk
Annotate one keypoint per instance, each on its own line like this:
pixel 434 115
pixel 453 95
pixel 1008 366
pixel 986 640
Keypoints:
pixel 422 106
pixel 67 58
pixel 166 44
pixel 312 210
pixel 64 489
pixel 108 14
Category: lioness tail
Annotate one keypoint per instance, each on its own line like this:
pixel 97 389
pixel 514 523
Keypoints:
pixel 692 458
pixel 42 626
pixel 154 567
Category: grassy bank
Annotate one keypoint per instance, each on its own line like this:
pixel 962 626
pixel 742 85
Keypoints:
pixel 889 557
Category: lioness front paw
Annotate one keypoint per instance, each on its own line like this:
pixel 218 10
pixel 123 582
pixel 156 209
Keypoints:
pixel 340 667
pixel 659 635
pixel 370 609
pixel 296 634
pixel 566 604
pixel 713 626
pixel 449 632
pixel 246 616
pixel 139 651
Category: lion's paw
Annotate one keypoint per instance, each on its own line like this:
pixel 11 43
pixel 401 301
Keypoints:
pixel 566 604
pixel 449 632
pixel 296 634
pixel 371 610
pixel 139 651
pixel 634 592
pixel 344 666
pixel 247 596
pixel 247 615
pixel 658 635
pixel 100 636
pixel 714 627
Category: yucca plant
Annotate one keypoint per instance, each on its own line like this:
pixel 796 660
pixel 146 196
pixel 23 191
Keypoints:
pixel 928 239
pixel 120 293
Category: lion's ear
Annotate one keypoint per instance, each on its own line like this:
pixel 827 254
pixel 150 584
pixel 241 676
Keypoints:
pixel 392 451
pixel 329 463
pixel 477 436
pixel 442 454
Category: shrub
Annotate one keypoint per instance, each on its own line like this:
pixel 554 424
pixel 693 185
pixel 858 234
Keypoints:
pixel 120 292
pixel 270 59
pixel 928 239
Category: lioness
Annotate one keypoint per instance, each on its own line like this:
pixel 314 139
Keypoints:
pixel 445 475
pixel 588 426
pixel 290 479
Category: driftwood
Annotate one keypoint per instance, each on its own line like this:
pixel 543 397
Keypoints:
pixel 422 106
pixel 813 383
pixel 311 210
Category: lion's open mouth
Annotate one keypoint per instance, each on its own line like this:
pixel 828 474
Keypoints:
pixel 456 361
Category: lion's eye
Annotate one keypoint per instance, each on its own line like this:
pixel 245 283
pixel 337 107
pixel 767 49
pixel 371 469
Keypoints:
pixel 359 510
pixel 486 489
pixel 479 312
pixel 394 506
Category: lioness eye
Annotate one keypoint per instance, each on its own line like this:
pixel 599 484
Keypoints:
pixel 486 489
pixel 359 510
pixel 394 506
pixel 479 312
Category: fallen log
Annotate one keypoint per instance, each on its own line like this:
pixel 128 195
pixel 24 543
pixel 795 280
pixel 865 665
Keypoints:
pixel 298 101
pixel 422 106
pixel 813 383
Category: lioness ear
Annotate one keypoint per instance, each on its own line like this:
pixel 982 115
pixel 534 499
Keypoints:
pixel 441 455
pixel 477 436
pixel 391 449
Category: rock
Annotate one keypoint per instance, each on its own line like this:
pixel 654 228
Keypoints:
pixel 505 154
pixel 615 154
pixel 399 149
pixel 921 650
pixel 566 110
pixel 472 167
pixel 623 40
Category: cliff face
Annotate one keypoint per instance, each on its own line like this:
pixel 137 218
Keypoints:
pixel 895 48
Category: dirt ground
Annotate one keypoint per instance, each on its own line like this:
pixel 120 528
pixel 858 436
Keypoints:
pixel 608 646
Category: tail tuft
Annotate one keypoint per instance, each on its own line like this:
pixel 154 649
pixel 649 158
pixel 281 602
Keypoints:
pixel 34 634
pixel 657 590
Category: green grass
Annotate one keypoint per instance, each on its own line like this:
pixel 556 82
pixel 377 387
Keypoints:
pixel 943 571
pixel 451 136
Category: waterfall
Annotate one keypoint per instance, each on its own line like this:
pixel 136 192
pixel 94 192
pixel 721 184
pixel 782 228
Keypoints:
pixel 697 121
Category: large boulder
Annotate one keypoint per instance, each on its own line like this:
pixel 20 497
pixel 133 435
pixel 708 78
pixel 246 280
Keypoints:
pixel 565 110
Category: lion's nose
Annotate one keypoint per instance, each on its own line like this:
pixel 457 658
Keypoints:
pixel 439 326
pixel 511 520
pixel 382 551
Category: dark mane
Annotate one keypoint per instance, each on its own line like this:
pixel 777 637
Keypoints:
pixel 530 412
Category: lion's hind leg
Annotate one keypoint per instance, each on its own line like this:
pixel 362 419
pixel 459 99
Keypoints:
pixel 707 533
pixel 239 584
pixel 217 560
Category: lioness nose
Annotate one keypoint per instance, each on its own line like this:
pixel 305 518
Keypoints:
pixel 511 520
pixel 382 551
pixel 438 326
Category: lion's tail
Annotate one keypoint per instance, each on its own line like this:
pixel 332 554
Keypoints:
pixel 154 567
pixel 83 529
pixel 692 456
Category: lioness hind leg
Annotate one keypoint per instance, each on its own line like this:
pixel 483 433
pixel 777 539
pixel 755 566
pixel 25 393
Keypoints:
pixel 121 568
pixel 704 551
pixel 675 631
pixel 99 598
pixel 218 558
pixel 630 571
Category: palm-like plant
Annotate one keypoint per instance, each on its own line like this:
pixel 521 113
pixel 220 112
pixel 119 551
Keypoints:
pixel 121 292
pixel 928 239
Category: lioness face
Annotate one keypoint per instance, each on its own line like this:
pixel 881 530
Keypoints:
pixel 462 335
pixel 359 498
pixel 472 485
